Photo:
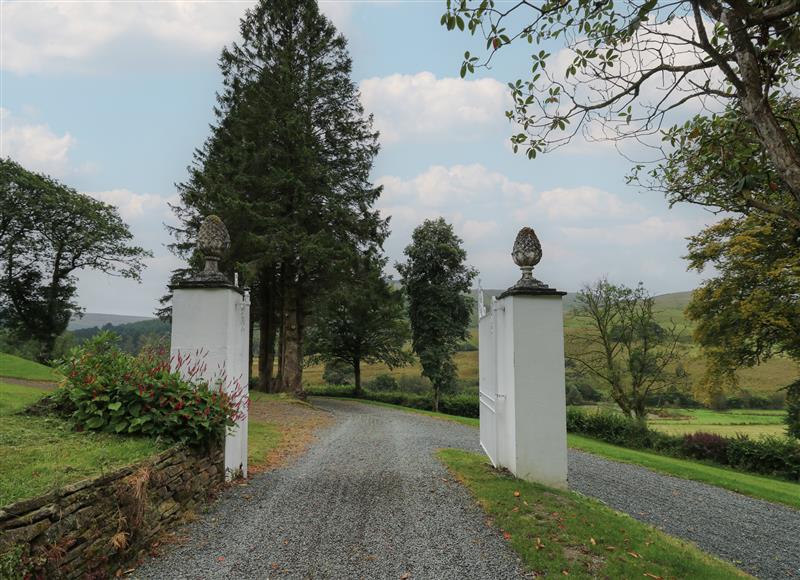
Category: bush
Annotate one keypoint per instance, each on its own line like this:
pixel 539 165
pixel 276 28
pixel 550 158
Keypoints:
pixel 384 382
pixel 778 456
pixel 109 390
pixel 706 446
pixel 793 409
pixel 338 373
pixel 414 384
pixel 463 405
pixel 746 400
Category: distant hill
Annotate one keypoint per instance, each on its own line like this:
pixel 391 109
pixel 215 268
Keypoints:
pixel 92 319
pixel 132 335
pixel 676 300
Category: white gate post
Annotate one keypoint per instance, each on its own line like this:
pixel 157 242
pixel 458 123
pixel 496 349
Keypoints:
pixel 527 378
pixel 210 318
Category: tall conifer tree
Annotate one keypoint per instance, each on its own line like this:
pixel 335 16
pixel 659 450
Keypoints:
pixel 287 168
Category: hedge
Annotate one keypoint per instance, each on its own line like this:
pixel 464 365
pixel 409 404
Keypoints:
pixel 463 405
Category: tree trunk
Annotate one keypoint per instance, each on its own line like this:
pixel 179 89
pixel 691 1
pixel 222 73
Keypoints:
pixel 435 398
pixel 250 334
pixel 267 331
pixel 292 368
pixel 357 376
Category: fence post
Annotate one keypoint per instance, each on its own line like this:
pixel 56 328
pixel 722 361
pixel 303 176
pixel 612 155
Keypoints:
pixel 210 325
pixel 530 401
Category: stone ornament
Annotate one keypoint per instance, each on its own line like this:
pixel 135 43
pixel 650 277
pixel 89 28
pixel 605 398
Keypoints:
pixel 212 240
pixel 527 252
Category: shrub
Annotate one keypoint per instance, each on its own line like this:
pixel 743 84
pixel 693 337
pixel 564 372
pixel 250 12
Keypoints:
pixel 463 405
pixel 618 429
pixel 384 382
pixel 414 384
pixel 338 373
pixel 778 456
pixel 793 409
pixel 706 446
pixel 109 390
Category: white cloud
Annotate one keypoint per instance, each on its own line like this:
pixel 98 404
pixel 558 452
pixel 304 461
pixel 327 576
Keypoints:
pixel 441 185
pixel 650 229
pixel 34 145
pixel 130 204
pixel 475 230
pixel 60 36
pixel 422 105
pixel 578 203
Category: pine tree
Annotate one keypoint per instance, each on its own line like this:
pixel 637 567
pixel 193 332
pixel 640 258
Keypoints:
pixel 287 168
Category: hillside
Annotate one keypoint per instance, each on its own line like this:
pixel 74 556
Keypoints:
pixel 20 368
pixel 92 319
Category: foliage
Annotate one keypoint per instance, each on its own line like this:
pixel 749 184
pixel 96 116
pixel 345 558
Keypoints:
pixel 287 168
pixel 627 349
pixel 558 533
pixel 49 231
pixel 361 321
pixel 437 280
pixel 775 456
pixel 749 311
pixel 624 66
pixel 383 382
pixel 133 336
pixel 109 390
pixel 793 409
pixel 337 373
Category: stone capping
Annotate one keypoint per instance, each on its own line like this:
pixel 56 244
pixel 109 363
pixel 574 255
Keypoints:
pixel 531 291
pixel 209 284
pixel 89 527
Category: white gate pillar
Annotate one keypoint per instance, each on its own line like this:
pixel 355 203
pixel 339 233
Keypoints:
pixel 210 318
pixel 522 391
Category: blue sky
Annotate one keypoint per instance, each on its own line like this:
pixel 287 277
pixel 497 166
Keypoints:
pixel 113 97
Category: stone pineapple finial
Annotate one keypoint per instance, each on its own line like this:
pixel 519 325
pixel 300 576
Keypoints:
pixel 212 240
pixel 527 252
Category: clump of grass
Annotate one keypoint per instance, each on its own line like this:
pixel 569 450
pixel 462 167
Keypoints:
pixel 560 533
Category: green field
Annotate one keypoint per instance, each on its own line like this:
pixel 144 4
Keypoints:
pixel 41 453
pixel 20 368
pixel 754 423
pixel 559 533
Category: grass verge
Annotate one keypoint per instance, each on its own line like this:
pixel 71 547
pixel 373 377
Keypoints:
pixel 38 454
pixel 560 533
pixel 758 486
pixel 20 368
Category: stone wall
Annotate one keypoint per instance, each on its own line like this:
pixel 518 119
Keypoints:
pixel 97 526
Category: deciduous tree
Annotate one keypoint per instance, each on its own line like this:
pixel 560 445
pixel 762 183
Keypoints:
pixel 624 347
pixel 48 232
pixel 437 280
pixel 362 321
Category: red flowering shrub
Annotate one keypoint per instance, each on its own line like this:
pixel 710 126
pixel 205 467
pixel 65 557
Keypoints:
pixel 708 446
pixel 107 389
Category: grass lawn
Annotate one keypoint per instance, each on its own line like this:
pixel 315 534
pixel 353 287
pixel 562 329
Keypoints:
pixel 40 453
pixel 754 423
pixel 20 368
pixel 767 488
pixel 560 533
pixel 262 438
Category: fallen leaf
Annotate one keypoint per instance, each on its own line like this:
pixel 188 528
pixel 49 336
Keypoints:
pixel 634 554
pixel 653 576
pixel 565 572
pixel 539 544
pixel 274 565
pixel 516 494
pixel 405 576
pixel 515 509
pixel 525 502
pixel 610 548
pixel 506 535
pixel 591 540
pixel 221 559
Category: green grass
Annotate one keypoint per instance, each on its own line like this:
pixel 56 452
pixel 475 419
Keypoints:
pixel 470 421
pixel 557 532
pixel 766 488
pixel 262 438
pixel 38 454
pixel 20 368
pixel 755 423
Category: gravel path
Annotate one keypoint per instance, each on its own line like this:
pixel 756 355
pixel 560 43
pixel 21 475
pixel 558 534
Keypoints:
pixel 760 537
pixel 369 500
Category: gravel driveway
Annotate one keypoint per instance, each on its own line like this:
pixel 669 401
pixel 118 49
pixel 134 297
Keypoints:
pixel 369 500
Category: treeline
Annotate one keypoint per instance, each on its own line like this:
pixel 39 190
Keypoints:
pixel 133 336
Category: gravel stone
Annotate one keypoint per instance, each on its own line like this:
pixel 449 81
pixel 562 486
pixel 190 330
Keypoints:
pixel 757 536
pixel 370 500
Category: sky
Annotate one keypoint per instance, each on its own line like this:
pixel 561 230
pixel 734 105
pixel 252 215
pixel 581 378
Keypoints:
pixel 113 97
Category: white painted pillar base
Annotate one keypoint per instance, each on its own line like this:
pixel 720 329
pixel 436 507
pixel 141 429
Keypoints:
pixel 213 320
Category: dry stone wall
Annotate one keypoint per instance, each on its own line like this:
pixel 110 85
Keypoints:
pixel 97 526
